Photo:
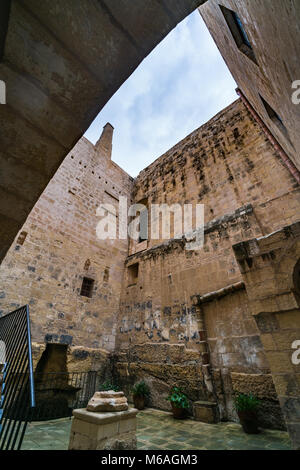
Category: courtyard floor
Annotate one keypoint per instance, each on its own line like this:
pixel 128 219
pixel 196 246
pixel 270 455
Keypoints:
pixel 157 430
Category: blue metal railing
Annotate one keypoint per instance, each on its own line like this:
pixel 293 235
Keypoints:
pixel 17 383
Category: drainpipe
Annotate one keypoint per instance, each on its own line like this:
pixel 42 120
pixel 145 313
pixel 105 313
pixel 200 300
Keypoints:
pixel 286 160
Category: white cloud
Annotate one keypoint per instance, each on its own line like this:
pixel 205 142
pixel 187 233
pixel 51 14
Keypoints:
pixel 177 88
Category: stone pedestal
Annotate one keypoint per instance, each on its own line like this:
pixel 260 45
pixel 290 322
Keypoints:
pixel 103 430
pixel 206 411
pixel 108 401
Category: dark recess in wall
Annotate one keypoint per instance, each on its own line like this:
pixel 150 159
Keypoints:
pixel 4 20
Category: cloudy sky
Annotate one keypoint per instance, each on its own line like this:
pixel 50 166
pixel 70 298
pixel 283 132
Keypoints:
pixel 177 88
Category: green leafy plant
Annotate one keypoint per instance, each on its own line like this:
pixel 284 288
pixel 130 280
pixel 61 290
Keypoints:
pixel 141 389
pixel 177 398
pixel 243 402
pixel 106 386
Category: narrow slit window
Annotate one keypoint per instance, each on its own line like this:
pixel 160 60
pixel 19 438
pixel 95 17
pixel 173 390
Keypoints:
pixel 238 32
pixel 277 120
pixel 133 274
pixel 242 30
pixel 143 221
pixel 87 287
pixel 21 238
pixel 271 113
pixel 106 275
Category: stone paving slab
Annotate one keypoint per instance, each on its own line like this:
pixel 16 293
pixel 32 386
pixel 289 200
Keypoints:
pixel 157 430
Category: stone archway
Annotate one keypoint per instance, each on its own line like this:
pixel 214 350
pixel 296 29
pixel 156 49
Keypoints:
pixel 86 51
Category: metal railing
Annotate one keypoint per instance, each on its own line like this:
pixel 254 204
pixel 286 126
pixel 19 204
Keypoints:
pixel 59 393
pixel 16 378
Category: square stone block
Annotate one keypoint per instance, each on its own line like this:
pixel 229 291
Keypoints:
pixel 103 430
pixel 205 411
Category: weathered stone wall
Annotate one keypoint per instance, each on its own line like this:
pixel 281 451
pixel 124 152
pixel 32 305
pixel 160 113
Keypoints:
pixel 238 358
pixel 185 319
pixel 270 268
pixel 162 366
pixel 225 164
pixel 158 306
pixel 62 62
pixel 58 246
pixel 272 27
pixel 230 167
pixel 77 359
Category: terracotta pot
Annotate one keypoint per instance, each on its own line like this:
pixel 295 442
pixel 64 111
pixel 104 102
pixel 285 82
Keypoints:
pixel 178 413
pixel 248 421
pixel 139 402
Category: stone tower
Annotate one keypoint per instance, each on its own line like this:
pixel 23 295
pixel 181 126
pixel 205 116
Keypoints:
pixel 104 144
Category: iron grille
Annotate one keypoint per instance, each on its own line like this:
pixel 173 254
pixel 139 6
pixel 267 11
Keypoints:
pixel 16 378
pixel 59 393
pixel 87 287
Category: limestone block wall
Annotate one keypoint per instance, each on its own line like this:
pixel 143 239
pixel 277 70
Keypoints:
pixel 238 358
pixel 157 319
pixel 62 62
pixel 230 167
pixel 168 315
pixel 272 29
pixel 57 247
pixel 270 268
pixel 225 164
pixel 158 306
pixel 162 366
pixel 75 359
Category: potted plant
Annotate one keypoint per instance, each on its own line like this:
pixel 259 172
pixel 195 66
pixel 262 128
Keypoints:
pixel 140 392
pixel 246 407
pixel 179 402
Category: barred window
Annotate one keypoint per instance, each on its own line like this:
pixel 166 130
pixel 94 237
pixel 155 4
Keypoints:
pixel 87 287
